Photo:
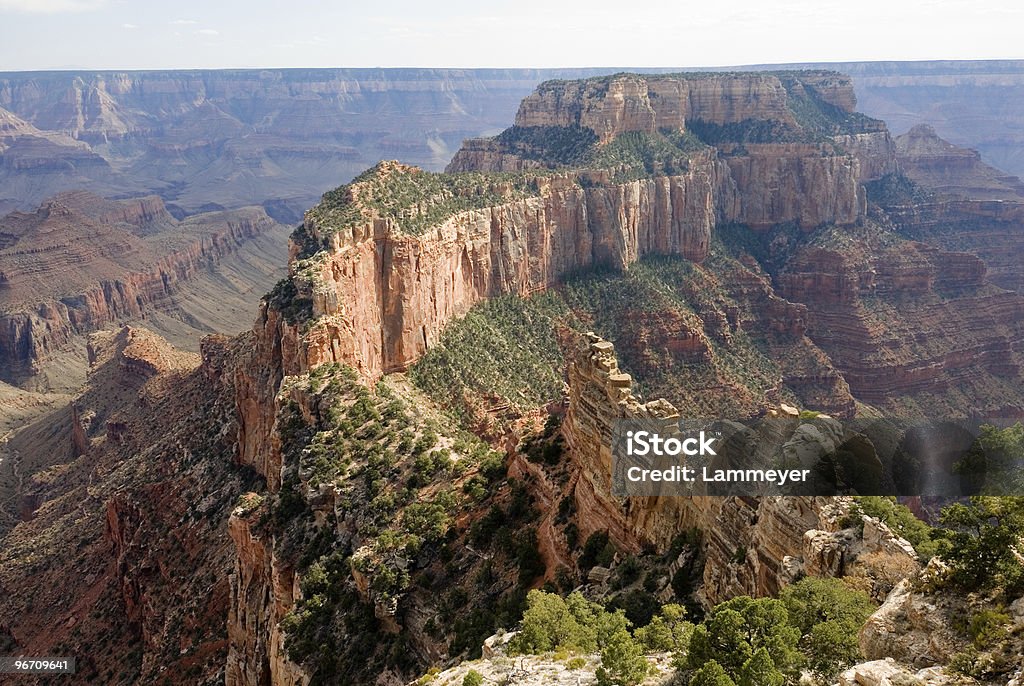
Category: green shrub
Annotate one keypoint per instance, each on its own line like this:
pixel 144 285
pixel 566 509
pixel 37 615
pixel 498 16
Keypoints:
pixel 627 572
pixel 622 661
pixel 735 633
pixel 711 674
pixel 638 605
pixel 987 627
pixel 597 550
pixel 829 615
pixel 552 622
pixel 528 557
pixel 668 631
pixel 473 678
pixel 981 542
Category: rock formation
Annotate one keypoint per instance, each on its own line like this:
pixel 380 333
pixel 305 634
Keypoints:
pixel 520 247
pixel 949 169
pixel 569 221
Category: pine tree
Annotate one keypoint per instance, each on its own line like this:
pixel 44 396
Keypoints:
pixel 711 674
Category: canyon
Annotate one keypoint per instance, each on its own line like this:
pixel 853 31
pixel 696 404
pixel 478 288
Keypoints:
pixel 207 140
pixel 259 513
pixel 79 263
pixel 223 139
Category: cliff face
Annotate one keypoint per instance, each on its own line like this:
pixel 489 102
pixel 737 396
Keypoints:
pixel 262 593
pixel 801 183
pixel 382 297
pixel 618 104
pixel 80 263
pixel 909 319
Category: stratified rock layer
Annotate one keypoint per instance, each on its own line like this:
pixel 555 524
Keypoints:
pixel 80 263
pixel 952 170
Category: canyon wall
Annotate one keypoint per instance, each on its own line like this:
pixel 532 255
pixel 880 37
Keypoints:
pixel 76 273
pixel 262 593
pixel 214 139
pixel 990 229
pixel 381 297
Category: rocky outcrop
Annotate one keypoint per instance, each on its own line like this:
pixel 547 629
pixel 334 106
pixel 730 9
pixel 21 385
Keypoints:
pixel 630 102
pixel 381 297
pixel 807 183
pixel 263 590
pixel 497 667
pixel 875 152
pixel 752 546
pixel 889 673
pixel 911 627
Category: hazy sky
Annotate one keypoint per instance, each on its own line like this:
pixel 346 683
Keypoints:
pixel 136 34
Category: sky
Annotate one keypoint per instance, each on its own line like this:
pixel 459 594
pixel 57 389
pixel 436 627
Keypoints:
pixel 194 34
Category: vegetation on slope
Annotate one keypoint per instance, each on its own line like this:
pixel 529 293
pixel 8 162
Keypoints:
pixel 896 189
pixel 384 509
pixel 813 625
pixel 507 350
pixel 399 480
pixel 504 350
pixel 413 198
pixel 632 155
